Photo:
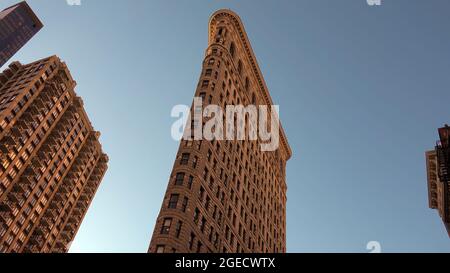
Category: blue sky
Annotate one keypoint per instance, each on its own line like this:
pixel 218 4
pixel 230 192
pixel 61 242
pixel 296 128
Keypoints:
pixel 362 91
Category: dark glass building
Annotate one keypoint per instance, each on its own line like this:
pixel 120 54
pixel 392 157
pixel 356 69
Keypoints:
pixel 18 24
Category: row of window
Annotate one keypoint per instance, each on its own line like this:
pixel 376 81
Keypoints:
pixel 233 198
pixel 21 81
pixel 210 82
pixel 278 220
pixel 70 198
pixel 47 185
pixel 39 135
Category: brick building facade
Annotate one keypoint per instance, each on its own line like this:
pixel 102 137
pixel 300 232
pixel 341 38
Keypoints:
pixel 51 161
pixel 226 196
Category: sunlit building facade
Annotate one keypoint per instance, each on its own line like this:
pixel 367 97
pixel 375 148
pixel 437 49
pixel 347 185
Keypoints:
pixel 226 196
pixel 51 161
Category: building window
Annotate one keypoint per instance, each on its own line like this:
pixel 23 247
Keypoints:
pixel 179 179
pixel 219 219
pixel 173 201
pixel 211 232
pixel 191 240
pixel 194 162
pixel 208 72
pixel 214 212
pixel 160 249
pixel 232 49
pixel 203 96
pixel 216 240
pixel 205 83
pixel 247 83
pixel 190 181
pixel 185 204
pixel 203 224
pixel 201 194
pixel 178 229
pixel 196 215
pixel 166 226
pixel 184 159
pixel 199 247
pixel 239 68
pixel 205 174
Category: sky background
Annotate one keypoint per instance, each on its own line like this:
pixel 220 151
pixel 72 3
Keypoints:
pixel 362 91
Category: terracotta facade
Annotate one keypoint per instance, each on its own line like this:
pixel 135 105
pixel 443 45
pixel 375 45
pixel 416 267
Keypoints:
pixel 51 161
pixel 226 196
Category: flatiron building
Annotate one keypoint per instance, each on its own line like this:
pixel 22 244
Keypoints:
pixel 226 195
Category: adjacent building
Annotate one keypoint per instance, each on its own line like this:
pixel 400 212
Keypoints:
pixel 51 161
pixel 439 177
pixel 226 196
pixel 18 24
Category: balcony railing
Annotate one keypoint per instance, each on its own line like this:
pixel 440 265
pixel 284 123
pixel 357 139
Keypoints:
pixel 5 216
pixel 36 239
pixel 15 197
pixel 42 231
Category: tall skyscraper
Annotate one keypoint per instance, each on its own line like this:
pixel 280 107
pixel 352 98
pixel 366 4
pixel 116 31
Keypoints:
pixel 226 195
pixel 439 177
pixel 51 161
pixel 18 24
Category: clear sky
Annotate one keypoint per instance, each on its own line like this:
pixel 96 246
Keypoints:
pixel 362 91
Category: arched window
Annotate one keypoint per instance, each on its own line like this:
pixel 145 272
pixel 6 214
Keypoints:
pixel 232 49
pixel 247 83
pixel 253 99
pixel 239 68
